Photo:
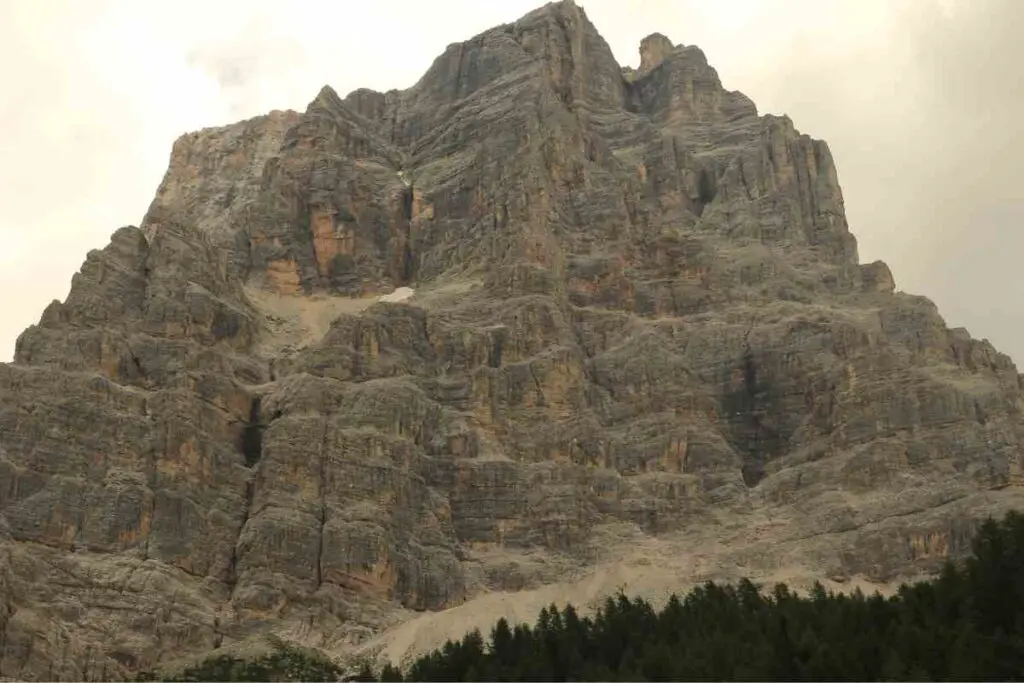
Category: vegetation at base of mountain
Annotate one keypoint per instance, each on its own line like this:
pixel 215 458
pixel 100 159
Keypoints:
pixel 284 663
pixel 966 624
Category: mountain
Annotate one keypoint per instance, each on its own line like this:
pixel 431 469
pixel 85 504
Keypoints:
pixel 538 327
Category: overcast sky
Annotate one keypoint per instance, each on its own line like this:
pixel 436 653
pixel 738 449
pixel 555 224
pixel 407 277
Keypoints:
pixel 921 101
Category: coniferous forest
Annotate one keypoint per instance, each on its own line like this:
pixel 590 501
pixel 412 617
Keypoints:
pixel 966 624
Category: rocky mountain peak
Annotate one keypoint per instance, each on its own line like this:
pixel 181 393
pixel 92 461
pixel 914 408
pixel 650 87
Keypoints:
pixel 327 99
pixel 537 320
pixel 653 51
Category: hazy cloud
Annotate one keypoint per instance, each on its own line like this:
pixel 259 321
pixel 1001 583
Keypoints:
pixel 920 100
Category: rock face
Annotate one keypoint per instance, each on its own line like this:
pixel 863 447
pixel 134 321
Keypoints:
pixel 637 316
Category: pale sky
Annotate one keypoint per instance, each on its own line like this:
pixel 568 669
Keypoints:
pixel 921 101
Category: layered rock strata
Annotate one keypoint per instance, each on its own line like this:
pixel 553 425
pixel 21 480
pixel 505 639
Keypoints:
pixel 639 317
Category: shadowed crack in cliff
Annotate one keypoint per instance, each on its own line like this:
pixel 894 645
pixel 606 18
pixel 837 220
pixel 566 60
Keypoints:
pixel 494 357
pixel 536 381
pixel 136 362
pixel 323 501
pixel 151 484
pixel 232 574
pixel 749 430
pixel 563 81
pixel 251 444
pixel 251 439
pixel 406 270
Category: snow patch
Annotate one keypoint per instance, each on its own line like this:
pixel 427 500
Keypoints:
pixel 400 294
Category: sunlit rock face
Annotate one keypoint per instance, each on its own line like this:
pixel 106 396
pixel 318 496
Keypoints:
pixel 534 315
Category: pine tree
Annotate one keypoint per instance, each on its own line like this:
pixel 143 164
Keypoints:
pixel 365 673
pixel 502 647
pixel 390 674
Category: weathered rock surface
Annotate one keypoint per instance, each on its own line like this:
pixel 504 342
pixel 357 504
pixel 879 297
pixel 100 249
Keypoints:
pixel 639 318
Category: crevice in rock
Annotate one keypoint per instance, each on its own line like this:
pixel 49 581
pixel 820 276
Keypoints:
pixel 250 490
pixel 748 421
pixel 563 86
pixel 425 328
pixel 320 548
pixel 151 466
pixel 540 392
pixel 140 373
pixel 323 502
pixel 135 361
pixel 408 265
pixel 494 357
pixel 457 85
pixel 406 260
pixel 753 457
pixel 252 435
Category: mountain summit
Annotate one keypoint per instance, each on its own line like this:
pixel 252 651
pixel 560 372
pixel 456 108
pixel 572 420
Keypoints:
pixel 537 328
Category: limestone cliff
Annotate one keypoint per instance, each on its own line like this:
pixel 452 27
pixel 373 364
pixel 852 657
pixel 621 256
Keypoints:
pixel 641 339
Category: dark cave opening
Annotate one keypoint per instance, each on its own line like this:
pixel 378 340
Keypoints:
pixel 252 435
pixel 706 192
